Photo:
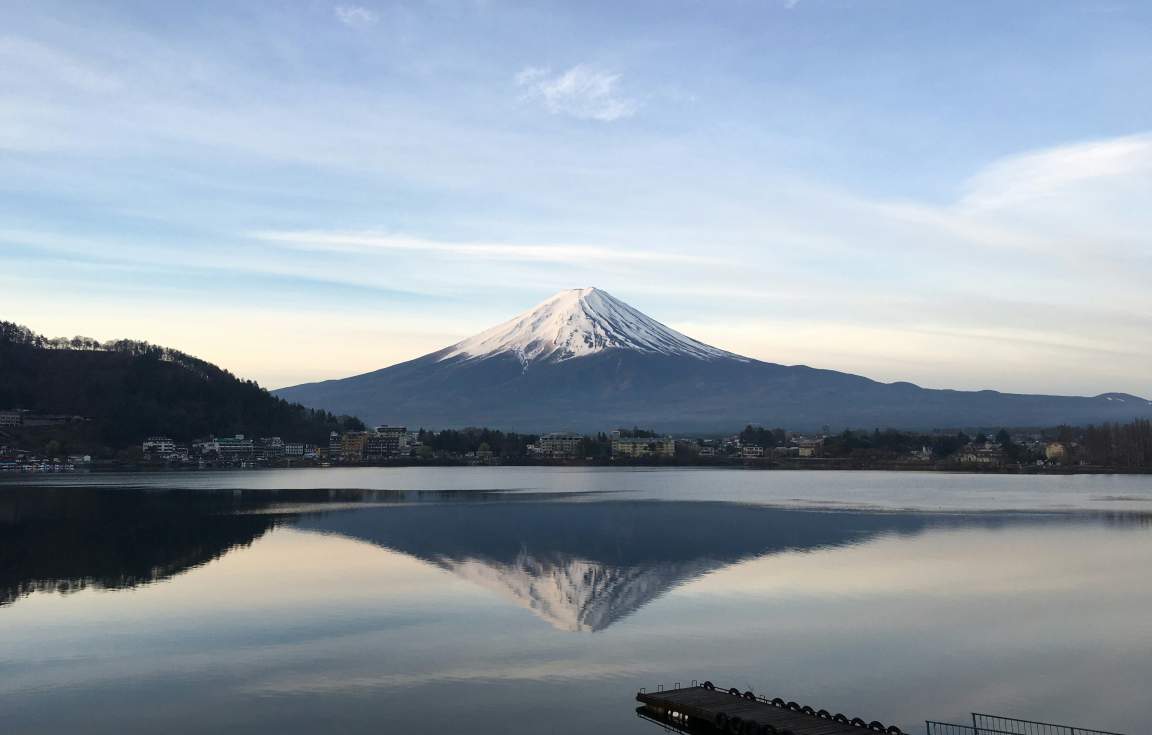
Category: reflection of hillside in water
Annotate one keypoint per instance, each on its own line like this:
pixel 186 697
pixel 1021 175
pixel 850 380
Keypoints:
pixel 68 539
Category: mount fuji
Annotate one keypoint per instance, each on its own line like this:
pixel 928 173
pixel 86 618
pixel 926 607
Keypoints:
pixel 584 360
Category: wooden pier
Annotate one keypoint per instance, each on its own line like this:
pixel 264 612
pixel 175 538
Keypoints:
pixel 743 713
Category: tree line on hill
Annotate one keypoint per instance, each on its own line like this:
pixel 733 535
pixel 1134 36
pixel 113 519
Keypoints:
pixel 889 443
pixel 125 390
pixel 512 445
pixel 473 440
pixel 1118 445
pixel 1107 445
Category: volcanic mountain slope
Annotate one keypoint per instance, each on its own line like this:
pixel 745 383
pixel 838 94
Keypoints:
pixel 584 360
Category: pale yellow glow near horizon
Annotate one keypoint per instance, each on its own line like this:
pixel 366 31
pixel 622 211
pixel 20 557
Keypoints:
pixel 280 347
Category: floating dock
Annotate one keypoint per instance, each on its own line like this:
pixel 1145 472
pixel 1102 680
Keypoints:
pixel 708 708
pixel 743 713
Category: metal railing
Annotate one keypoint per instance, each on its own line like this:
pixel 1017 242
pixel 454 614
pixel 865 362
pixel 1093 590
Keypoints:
pixel 997 725
pixel 983 724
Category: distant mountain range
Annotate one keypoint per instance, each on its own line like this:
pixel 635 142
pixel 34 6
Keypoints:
pixel 586 361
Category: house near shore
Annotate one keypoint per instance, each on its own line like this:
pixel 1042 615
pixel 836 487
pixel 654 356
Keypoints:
pixel 987 454
pixel 1055 451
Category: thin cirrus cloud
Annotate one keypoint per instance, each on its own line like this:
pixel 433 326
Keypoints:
pixel 356 16
pixel 584 91
pixel 1039 174
pixel 370 241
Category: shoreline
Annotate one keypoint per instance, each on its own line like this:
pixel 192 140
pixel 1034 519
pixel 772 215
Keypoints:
pixel 817 464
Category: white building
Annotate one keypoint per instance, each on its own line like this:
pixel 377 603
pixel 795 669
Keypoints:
pixel 559 444
pixel 158 445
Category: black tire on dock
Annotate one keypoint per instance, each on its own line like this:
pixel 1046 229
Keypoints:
pixel 734 692
pixel 893 730
pixel 794 706
pixel 857 722
pixel 841 718
pixel 779 703
pixel 808 710
pixel 749 695
pixel 709 686
pixel 824 714
pixel 876 726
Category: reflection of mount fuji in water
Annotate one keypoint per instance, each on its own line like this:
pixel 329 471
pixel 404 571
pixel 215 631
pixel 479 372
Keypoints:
pixel 581 566
pixel 584 566
pixel 573 594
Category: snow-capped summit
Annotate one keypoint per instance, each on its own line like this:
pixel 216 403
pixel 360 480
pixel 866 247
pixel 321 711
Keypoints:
pixel 577 323
pixel 584 360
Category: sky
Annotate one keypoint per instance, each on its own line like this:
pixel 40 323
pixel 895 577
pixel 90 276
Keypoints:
pixel 958 194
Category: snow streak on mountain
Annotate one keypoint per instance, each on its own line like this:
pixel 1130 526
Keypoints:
pixel 578 323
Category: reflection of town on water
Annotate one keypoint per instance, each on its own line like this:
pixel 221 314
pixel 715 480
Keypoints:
pixel 579 564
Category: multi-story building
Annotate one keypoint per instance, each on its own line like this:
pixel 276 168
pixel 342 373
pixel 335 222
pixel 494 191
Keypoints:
pixel 269 447
pixel 226 447
pixel 560 444
pixel 158 445
pixel 11 418
pixel 353 446
pixel 299 450
pixel 387 441
pixel 640 447
pixel 235 447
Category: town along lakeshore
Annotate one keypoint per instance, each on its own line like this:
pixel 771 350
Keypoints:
pixel 1110 448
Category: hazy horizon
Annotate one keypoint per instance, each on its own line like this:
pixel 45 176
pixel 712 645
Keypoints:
pixel 952 195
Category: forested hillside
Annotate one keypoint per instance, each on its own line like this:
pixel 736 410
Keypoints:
pixel 128 390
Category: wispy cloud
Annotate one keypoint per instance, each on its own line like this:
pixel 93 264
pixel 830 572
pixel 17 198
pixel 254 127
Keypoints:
pixel 356 16
pixel 1039 174
pixel 584 91
pixel 370 241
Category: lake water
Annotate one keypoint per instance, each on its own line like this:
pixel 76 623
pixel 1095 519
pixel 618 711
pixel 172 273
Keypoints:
pixel 530 600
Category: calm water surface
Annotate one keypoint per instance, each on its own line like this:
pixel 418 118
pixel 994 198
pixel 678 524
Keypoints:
pixel 498 600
